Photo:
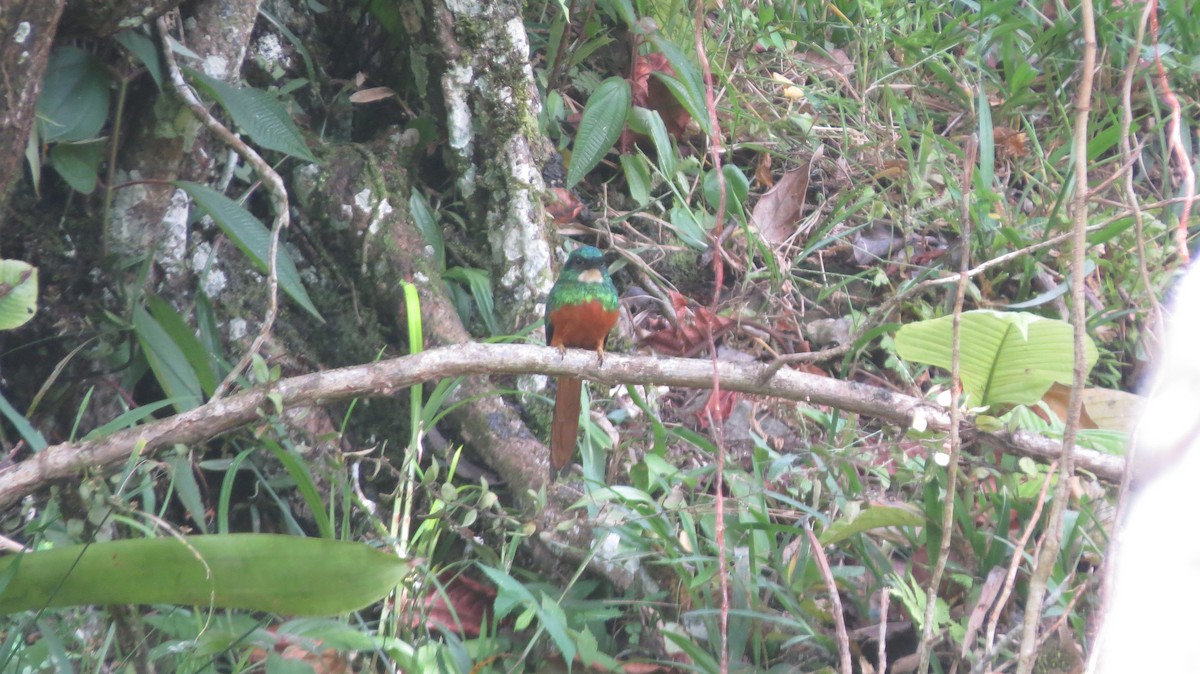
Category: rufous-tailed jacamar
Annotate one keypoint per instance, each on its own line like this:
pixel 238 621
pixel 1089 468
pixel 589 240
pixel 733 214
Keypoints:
pixel 580 311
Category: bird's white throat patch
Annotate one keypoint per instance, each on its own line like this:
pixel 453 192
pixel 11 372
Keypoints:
pixel 591 276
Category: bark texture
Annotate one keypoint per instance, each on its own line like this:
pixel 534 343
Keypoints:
pixel 27 29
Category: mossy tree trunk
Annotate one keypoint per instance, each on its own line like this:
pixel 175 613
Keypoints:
pixel 462 130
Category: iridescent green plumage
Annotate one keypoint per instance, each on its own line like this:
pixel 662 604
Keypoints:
pixel 570 289
pixel 580 312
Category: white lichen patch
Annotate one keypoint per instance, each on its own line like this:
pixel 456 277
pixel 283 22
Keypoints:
pixel 376 211
pixel 271 50
pixel 22 33
pixel 237 328
pixel 204 264
pixel 458 121
pixel 216 66
pixel 173 247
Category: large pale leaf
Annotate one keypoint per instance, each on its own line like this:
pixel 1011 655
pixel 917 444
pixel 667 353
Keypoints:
pixel 259 572
pixel 18 293
pixel 252 237
pixel 260 115
pixel 1006 358
pixel 599 127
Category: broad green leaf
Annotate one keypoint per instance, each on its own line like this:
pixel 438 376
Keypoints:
pixel 875 517
pixel 185 338
pixel 555 621
pixel 18 293
pixel 31 435
pixel 186 489
pixel 599 127
pixel 737 188
pixel 170 366
pixel 252 237
pixel 688 228
pixel 510 593
pixel 258 572
pixel 141 46
pixel 260 115
pixel 637 176
pixel 1006 358
pixel 427 224
pixel 649 123
pixel 688 84
pixel 77 163
pixel 481 291
pixel 73 104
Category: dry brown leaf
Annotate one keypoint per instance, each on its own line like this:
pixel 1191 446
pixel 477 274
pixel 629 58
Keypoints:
pixel 1010 143
pixel 778 211
pixel 371 95
pixel 833 64
pixel 1058 399
pixel 1113 410
pixel 762 171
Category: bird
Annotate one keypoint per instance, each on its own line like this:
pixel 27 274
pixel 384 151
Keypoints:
pixel 581 310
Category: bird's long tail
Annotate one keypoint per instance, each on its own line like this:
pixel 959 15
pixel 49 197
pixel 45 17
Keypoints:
pixel 565 425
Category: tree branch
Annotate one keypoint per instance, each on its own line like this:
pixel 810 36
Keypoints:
pixel 69 460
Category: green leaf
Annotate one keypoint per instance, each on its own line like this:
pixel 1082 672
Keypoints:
pixel 688 84
pixel 875 517
pixel 260 115
pixel 737 188
pixel 257 572
pixel 555 622
pixel 129 419
pixel 18 293
pixel 427 224
pixel 77 163
pixel 170 366
pixel 637 176
pixel 1006 358
pixel 251 237
pixel 481 291
pixel 185 338
pixel 688 228
pixel 31 435
pixel 186 489
pixel 141 46
pixel 649 123
pixel 599 127
pixel 73 104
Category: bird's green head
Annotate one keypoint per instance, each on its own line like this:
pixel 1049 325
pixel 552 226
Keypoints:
pixel 585 263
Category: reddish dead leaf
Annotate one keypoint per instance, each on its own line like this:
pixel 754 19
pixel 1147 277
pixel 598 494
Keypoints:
pixel 290 647
pixel 778 210
pixel 469 599
pixel 649 92
pixel 695 325
pixel 717 407
pixel 371 95
pixel 562 205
